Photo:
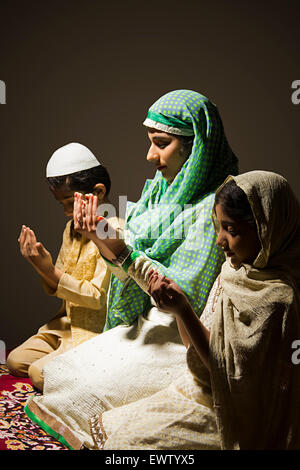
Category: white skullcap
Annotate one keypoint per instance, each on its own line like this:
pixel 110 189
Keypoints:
pixel 69 159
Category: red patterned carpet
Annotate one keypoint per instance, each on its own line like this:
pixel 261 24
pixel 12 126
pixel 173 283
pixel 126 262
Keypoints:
pixel 17 431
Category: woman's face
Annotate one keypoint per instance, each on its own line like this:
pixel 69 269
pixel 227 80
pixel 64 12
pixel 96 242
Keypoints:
pixel 166 153
pixel 237 238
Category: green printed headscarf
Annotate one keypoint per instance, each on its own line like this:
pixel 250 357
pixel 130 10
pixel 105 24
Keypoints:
pixel 171 223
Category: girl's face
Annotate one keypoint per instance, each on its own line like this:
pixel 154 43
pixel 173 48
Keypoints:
pixel 237 238
pixel 166 153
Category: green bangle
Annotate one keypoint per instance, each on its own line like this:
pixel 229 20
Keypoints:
pixel 130 259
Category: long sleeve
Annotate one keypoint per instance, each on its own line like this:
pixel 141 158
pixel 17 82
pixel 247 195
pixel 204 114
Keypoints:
pixel 124 295
pixel 92 293
pixel 136 267
pixel 139 270
pixel 59 264
pixel 85 278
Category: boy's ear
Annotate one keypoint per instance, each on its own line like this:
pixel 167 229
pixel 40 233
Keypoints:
pixel 99 190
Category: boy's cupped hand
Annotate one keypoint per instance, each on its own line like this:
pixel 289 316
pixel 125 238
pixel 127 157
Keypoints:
pixel 34 251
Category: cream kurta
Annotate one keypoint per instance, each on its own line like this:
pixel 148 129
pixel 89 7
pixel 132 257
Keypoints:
pixel 83 286
pixel 179 417
pixel 83 289
pixel 125 364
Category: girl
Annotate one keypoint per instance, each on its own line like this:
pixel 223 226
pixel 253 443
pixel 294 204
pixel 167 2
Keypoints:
pixel 240 389
pixel 79 277
pixel 169 230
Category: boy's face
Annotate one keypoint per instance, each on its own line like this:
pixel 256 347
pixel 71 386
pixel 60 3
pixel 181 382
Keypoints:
pixel 65 197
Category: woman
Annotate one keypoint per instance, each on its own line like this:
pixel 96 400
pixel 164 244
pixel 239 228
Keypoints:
pixel 241 388
pixel 170 225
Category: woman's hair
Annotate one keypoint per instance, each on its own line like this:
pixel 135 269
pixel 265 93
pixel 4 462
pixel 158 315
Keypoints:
pixel 235 202
pixel 84 180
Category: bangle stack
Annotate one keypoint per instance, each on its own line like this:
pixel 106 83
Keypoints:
pixel 121 259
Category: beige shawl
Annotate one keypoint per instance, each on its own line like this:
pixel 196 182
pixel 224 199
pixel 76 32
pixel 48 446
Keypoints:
pixel 255 384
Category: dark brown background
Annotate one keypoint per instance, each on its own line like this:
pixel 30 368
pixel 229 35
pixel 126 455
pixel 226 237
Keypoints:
pixel 88 71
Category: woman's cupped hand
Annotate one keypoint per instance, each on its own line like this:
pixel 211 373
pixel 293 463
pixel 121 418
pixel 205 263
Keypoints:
pixel 96 228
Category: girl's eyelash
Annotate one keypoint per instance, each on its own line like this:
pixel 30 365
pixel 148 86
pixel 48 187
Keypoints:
pixel 230 230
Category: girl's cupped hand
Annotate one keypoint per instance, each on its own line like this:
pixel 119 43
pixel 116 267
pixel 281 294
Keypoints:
pixel 167 294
